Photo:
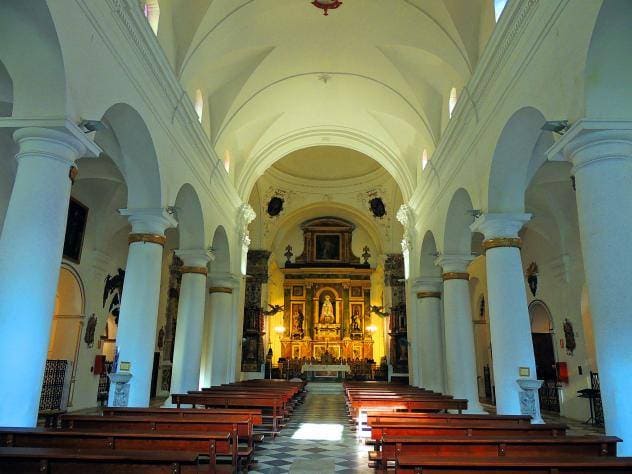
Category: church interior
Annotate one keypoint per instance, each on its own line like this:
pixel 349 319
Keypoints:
pixel 315 236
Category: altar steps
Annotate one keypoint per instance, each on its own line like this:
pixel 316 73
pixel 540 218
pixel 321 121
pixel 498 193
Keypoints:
pixel 330 388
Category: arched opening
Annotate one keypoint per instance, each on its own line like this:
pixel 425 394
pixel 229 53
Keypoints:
pixel 151 10
pixel 544 351
pixel 199 104
pixel 499 7
pixel 424 159
pixel 452 101
pixel 63 347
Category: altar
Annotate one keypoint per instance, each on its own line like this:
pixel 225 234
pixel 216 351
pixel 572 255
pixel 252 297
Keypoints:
pixel 327 369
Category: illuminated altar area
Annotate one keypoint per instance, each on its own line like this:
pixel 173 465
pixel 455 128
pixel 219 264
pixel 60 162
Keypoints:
pixel 327 297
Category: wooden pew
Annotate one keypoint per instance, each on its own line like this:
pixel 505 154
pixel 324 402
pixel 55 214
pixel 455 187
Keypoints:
pixel 199 414
pixel 473 447
pixel 379 430
pixel 449 418
pixel 70 461
pixel 413 463
pixel 153 423
pixel 203 443
pixel 184 413
pixel 272 405
pixel 408 404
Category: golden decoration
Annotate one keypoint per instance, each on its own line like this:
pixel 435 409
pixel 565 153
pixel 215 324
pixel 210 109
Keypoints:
pixel 502 242
pixel 429 294
pixel 220 289
pixel 147 238
pixel 198 270
pixel 456 276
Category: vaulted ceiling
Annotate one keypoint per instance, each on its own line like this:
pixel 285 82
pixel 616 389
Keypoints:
pixel 277 75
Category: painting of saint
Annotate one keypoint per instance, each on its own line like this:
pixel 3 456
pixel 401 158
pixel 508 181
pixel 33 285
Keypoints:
pixel 327 247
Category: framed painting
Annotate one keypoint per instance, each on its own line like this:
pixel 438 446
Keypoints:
pixel 356 292
pixel 327 247
pixel 75 230
pixel 297 291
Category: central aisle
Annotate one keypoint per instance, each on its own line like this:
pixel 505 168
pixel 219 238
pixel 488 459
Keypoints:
pixel 317 439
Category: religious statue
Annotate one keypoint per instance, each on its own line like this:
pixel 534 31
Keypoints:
pixel 298 324
pixel 355 320
pixel 327 315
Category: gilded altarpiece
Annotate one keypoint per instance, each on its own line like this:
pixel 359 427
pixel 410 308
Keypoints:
pixel 397 330
pixel 327 294
pixel 252 356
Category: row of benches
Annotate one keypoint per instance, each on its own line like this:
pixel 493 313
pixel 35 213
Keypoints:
pixel 156 440
pixel 428 441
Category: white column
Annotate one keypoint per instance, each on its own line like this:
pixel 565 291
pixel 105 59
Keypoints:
pixel 602 166
pixel 30 255
pixel 460 355
pixel 136 335
pixel 412 334
pixel 429 332
pixel 187 351
pixel 220 346
pixel 509 323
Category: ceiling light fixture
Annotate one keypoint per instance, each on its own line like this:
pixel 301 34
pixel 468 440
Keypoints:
pixel 327 5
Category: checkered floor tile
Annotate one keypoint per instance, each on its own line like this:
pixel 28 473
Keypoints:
pixel 317 439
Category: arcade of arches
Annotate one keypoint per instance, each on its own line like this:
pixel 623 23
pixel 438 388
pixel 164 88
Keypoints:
pixel 431 191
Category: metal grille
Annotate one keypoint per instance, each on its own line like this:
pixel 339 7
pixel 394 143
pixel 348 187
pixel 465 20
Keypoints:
pixel 55 387
pixel 549 396
pixel 104 385
pixel 598 407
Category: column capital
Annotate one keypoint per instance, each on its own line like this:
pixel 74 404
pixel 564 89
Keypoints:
pixel 149 221
pixel 590 141
pixel 48 143
pixel 221 281
pixel 500 225
pixel 454 263
pixel 194 257
pixel 427 285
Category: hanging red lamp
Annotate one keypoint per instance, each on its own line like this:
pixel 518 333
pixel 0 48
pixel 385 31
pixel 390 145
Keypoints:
pixel 327 5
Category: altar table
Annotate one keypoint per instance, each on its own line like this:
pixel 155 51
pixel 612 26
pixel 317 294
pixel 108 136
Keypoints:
pixel 339 369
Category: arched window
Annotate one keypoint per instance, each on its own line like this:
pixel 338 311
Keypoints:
pixel 199 104
pixel 452 101
pixel 151 10
pixel 499 6
pixel 424 159
pixel 227 161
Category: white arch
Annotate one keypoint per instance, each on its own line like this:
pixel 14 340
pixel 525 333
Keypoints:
pixel 356 140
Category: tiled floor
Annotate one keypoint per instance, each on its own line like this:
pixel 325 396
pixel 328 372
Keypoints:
pixel 300 448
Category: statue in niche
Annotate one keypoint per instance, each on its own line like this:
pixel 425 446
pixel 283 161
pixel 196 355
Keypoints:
pixel 299 317
pixel 327 315
pixel 355 319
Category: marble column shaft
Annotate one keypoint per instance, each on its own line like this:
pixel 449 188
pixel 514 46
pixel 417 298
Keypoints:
pixel 602 166
pixel 430 334
pixel 185 374
pixel 138 319
pixel 509 323
pixel 30 256
pixel 460 355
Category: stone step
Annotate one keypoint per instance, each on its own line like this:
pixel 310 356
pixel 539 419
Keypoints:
pixel 325 387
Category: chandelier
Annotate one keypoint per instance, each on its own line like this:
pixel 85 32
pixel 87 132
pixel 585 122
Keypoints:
pixel 327 5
